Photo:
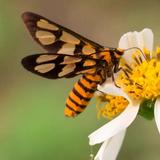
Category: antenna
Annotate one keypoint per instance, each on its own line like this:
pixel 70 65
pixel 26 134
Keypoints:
pixel 137 49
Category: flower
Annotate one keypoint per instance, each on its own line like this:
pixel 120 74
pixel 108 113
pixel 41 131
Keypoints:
pixel 139 82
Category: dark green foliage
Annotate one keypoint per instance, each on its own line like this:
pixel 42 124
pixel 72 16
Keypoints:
pixel 147 109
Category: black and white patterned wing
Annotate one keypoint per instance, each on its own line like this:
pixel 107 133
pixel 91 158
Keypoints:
pixel 55 66
pixel 58 39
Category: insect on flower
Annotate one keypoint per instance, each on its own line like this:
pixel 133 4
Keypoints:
pixel 68 55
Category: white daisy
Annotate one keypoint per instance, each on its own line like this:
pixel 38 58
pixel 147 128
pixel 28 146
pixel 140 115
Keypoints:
pixel 139 83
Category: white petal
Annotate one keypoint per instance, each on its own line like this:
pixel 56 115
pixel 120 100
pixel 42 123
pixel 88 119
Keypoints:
pixel 110 148
pixel 110 88
pixel 119 123
pixel 129 40
pixel 100 153
pixel 143 39
pixel 157 113
pixel 147 35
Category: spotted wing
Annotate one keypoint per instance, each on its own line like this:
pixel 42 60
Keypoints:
pixel 54 66
pixel 58 39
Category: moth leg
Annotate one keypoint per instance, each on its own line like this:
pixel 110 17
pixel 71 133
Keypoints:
pixel 120 68
pixel 113 79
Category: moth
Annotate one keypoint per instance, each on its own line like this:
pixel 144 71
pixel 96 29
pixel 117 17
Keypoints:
pixel 68 55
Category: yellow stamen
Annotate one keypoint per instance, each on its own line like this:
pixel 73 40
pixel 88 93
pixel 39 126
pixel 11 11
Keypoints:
pixel 147 53
pixel 158 53
pixel 115 105
pixel 143 79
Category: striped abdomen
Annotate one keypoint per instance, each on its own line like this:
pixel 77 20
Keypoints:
pixel 81 94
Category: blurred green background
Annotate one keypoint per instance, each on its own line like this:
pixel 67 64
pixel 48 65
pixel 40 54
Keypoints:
pixel 32 124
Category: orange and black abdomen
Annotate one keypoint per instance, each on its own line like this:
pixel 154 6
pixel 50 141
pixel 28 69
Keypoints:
pixel 81 94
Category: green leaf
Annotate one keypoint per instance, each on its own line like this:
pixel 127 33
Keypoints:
pixel 147 109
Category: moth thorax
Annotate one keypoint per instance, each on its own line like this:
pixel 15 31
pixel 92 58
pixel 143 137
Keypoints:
pixel 106 56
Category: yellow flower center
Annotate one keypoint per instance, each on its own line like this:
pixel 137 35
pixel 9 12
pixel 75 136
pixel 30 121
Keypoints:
pixel 141 79
pixel 115 105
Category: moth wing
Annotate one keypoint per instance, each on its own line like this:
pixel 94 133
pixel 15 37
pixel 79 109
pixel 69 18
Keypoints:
pixel 58 39
pixel 55 66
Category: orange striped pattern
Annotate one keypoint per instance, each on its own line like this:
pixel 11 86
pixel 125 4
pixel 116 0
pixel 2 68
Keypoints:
pixel 81 94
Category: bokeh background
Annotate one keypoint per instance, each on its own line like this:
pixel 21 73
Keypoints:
pixel 32 124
